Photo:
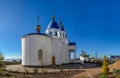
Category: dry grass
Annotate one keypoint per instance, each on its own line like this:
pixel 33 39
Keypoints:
pixel 115 65
pixel 89 73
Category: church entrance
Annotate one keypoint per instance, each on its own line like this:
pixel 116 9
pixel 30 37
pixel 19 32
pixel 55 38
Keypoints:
pixel 53 60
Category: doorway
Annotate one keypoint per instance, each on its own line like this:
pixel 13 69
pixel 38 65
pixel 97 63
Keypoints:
pixel 53 59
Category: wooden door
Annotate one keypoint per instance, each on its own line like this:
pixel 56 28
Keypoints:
pixel 53 60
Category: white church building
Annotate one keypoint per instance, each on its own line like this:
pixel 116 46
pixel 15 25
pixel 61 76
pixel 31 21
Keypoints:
pixel 49 48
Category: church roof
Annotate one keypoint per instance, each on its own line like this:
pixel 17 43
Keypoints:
pixel 35 34
pixel 53 24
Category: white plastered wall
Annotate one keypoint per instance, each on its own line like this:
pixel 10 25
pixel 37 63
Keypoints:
pixel 32 43
pixel 30 46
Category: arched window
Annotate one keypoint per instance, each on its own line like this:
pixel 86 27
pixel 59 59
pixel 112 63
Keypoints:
pixel 50 33
pixel 60 34
pixel 55 33
pixel 63 34
pixel 40 54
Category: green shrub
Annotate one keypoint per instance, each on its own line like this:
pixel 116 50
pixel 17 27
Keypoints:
pixel 26 70
pixel 102 76
pixel 1 63
pixel 99 64
pixel 36 70
pixel 12 76
pixel 116 72
pixel 1 70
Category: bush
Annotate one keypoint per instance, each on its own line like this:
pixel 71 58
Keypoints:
pixel 1 63
pixel 12 76
pixel 36 70
pixel 1 70
pixel 99 63
pixel 116 72
pixel 102 76
pixel 26 70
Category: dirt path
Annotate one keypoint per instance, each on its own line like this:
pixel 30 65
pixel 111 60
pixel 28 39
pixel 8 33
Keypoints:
pixel 89 73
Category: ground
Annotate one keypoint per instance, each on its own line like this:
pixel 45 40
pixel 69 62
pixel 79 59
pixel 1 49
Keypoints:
pixel 68 71
pixel 79 73
pixel 63 74
pixel 87 70
pixel 88 73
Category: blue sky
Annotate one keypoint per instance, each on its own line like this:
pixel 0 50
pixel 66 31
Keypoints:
pixel 93 24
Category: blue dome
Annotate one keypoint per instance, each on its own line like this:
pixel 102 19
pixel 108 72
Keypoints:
pixel 53 24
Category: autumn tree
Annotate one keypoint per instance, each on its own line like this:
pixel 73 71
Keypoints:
pixel 105 68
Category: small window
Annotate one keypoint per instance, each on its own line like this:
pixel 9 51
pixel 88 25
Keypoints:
pixel 63 34
pixel 55 33
pixel 60 34
pixel 39 54
pixel 50 33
